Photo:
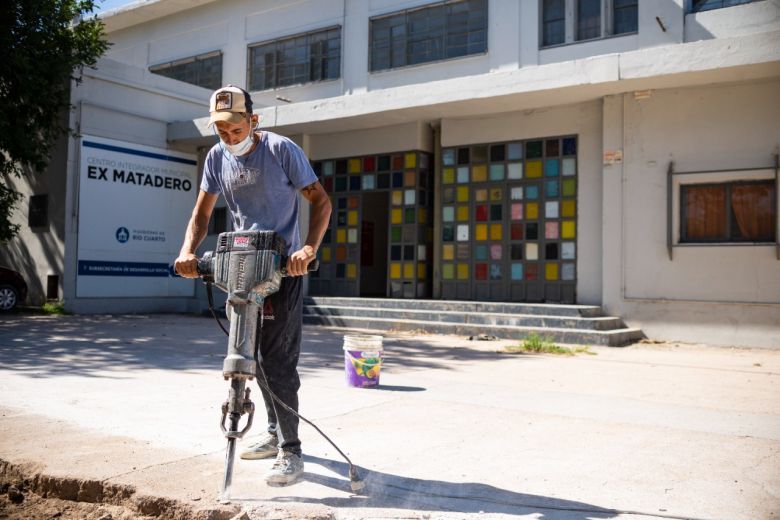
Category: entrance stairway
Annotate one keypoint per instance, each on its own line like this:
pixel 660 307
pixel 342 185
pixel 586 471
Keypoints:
pixel 573 324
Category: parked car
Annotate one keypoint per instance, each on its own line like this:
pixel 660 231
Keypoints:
pixel 13 289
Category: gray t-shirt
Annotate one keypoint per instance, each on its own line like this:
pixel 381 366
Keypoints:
pixel 261 188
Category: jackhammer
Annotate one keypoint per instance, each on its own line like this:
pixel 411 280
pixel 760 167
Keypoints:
pixel 249 267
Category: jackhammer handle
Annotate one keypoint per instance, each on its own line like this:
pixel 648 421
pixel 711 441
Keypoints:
pixel 204 265
pixel 313 266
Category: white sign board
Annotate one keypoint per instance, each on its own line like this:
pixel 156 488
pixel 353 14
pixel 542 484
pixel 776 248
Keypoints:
pixel 134 205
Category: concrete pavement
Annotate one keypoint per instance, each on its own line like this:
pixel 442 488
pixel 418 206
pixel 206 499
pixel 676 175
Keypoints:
pixel 455 430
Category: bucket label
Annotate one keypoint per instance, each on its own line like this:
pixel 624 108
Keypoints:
pixel 367 366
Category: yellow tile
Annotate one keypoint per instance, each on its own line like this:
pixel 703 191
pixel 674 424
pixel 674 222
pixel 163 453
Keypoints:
pixel 410 160
pixel 551 271
pixel 398 198
pixel 480 195
pixel 533 169
pixel 408 270
pixel 423 216
pixel 354 166
pixel 481 231
pixel 463 271
pixel 421 271
pixel 447 272
pixel 341 236
pixel 352 218
pixel 496 194
pixel 463 214
pixel 396 216
pixel 448 252
pixel 479 173
pixel 351 271
pixel 532 210
pixel 496 231
pixel 325 254
pixel 568 208
pixel 395 270
pixel 568 229
pixel 463 194
pixel 448 175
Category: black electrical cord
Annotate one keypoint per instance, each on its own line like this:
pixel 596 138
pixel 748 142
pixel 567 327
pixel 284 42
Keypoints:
pixel 354 477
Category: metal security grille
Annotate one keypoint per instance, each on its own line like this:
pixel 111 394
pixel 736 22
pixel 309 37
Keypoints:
pixel 406 178
pixel 509 221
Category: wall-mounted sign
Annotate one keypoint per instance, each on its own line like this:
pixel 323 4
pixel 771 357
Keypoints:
pixel 613 156
pixel 134 204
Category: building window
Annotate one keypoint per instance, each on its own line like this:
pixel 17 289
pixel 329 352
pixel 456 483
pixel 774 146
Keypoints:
pixel 204 70
pixel 728 212
pixel 707 5
pixel 435 32
pixel 553 22
pixel 38 214
pixel 303 58
pixel 570 21
pixel 218 222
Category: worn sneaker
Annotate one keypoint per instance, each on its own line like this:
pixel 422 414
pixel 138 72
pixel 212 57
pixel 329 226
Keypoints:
pixel 265 448
pixel 287 469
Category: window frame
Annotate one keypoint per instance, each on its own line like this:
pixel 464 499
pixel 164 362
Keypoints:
pixel 38 211
pixel 729 214
pixel 445 36
pixel 278 43
pixel 155 69
pixel 607 23
pixel 690 7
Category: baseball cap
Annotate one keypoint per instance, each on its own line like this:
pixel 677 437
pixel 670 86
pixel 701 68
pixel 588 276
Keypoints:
pixel 229 104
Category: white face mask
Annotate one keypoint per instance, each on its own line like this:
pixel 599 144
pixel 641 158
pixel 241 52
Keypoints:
pixel 243 147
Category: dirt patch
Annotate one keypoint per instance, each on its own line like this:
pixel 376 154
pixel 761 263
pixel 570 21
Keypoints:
pixel 27 493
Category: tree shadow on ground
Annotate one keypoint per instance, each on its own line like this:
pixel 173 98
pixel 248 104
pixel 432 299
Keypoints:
pixel 110 346
pixel 388 491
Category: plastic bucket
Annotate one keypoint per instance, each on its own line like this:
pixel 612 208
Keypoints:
pixel 362 360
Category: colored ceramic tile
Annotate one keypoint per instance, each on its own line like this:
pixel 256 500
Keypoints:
pixel 448 214
pixel 516 211
pixel 448 157
pixel 395 234
pixel 532 231
pixel 568 208
pixel 448 195
pixel 329 184
pixel 408 233
pixel 567 271
pixel 369 182
pixel 408 270
pixel 533 169
pixel 395 253
pixel 497 152
pixel 421 252
pixel 551 271
pixel 462 194
pixel 496 194
pixel 448 176
pixel 514 171
pixel 531 271
pixel 341 236
pixel 481 271
pixel 496 231
pixel 354 166
pixel 496 251
pixel 531 251
pixel 463 174
pixel 479 173
pixel 516 232
pixel 448 233
pixel 532 192
pixel 448 252
pixel 354 183
pixel 481 252
pixel 569 167
pixel 398 179
pixel 409 216
pixel 398 162
pixel 352 236
pixel 514 151
pixel 397 197
pixel 353 202
pixel 341 218
pixel 517 271
pixel 341 167
pixel 516 251
pixel 496 172
pixel 568 229
pixel 410 160
pixel 533 149
pixel 395 271
pixel 551 209
pixel 552 147
pixel 410 179
pixel 396 216
pixel 495 272
pixel 551 168
pixel 340 270
pixel 410 197
pixel 462 252
pixel 462 232
pixel 448 271
pixel 496 212
pixel 532 211
pixel 351 271
pixel 327 168
pixel 551 230
pixel 422 216
pixel 369 163
pixel 551 188
pixel 325 254
pixel 463 156
pixel 463 214
pixel 341 253
pixel 383 164
pixel 479 154
pixel 352 218
pixel 570 146
pixel 569 187
pixel 568 250
pixel 481 213
pixel 516 193
pixel 481 195
pixel 463 271
pixel 383 181
pixel 480 232
pixel 420 271
pixel 341 184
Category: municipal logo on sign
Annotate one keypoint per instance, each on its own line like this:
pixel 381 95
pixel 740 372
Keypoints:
pixel 122 235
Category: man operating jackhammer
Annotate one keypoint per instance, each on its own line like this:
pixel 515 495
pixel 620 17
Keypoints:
pixel 259 174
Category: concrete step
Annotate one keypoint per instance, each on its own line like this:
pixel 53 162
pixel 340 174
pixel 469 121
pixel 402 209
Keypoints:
pixel 469 318
pixel 584 311
pixel 612 338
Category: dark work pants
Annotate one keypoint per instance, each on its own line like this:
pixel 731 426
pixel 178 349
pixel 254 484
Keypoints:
pixel 279 342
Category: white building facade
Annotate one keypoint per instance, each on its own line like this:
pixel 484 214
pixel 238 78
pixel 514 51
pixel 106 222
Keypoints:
pixel 609 152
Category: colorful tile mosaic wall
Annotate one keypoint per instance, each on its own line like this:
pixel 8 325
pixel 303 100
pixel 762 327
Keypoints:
pixel 407 177
pixel 509 221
